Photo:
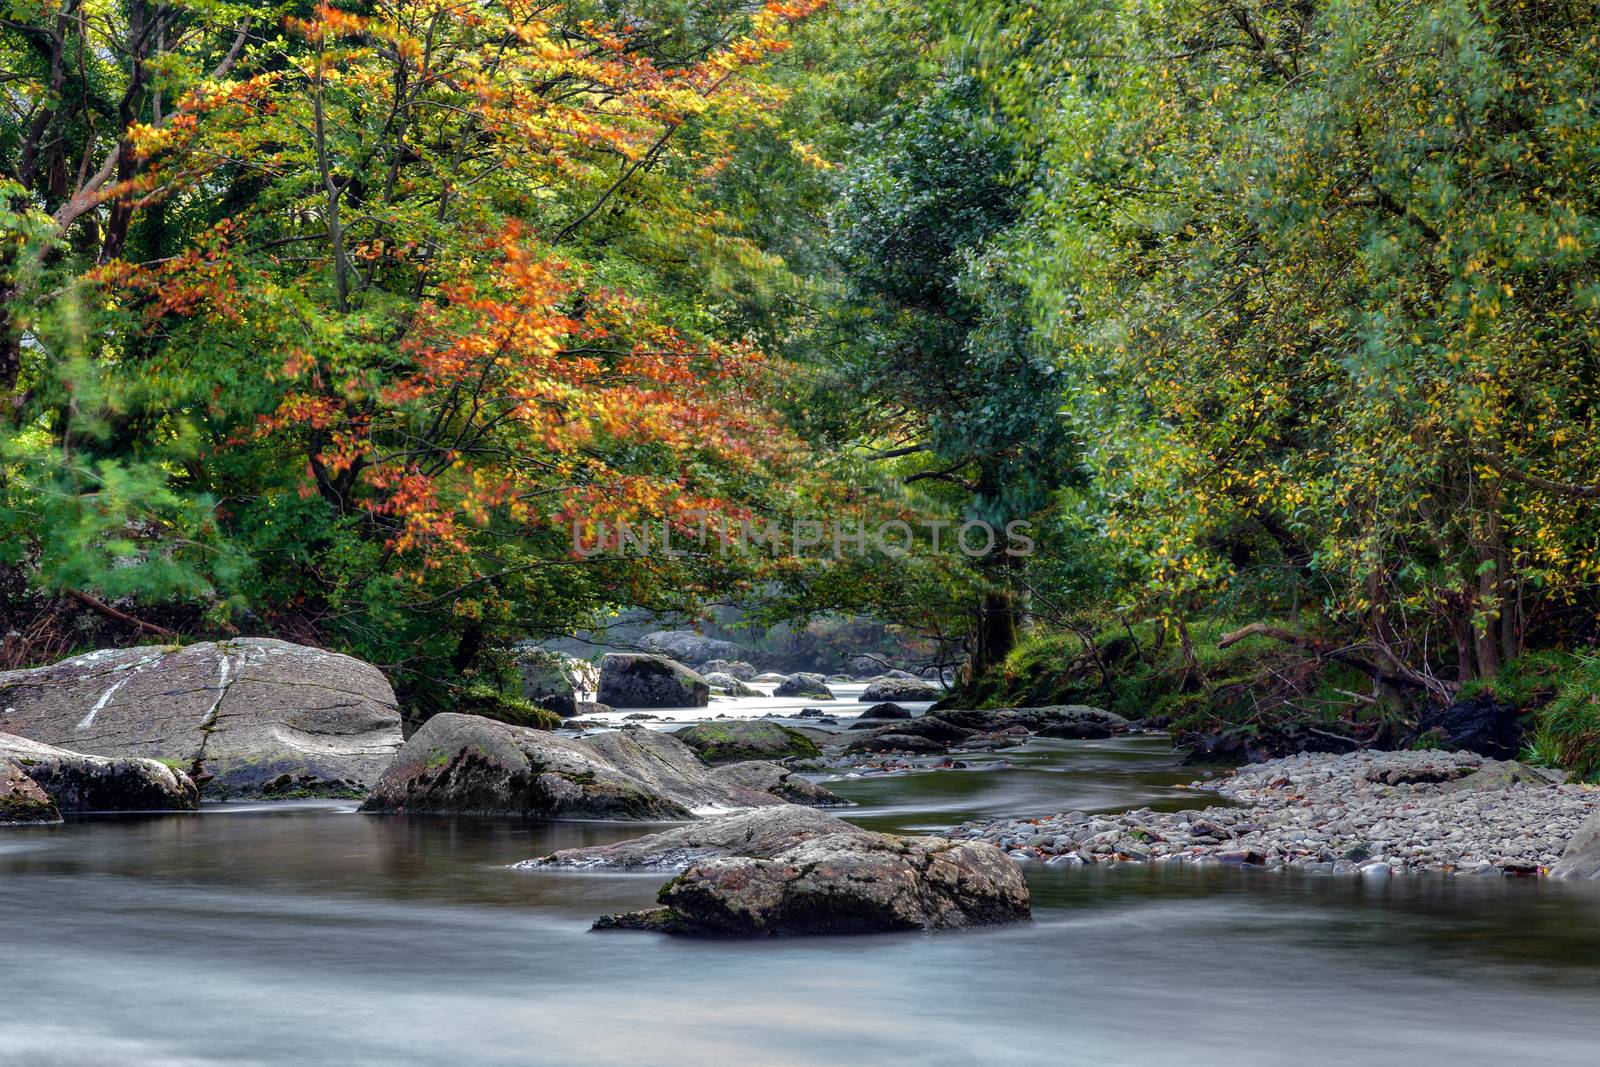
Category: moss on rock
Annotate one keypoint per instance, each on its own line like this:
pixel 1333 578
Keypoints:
pixel 734 741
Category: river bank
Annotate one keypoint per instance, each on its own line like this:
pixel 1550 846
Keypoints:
pixel 1368 813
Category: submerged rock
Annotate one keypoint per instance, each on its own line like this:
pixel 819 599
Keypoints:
pixel 249 717
pixel 882 689
pixel 462 764
pixel 736 740
pixel 636 680
pixel 75 782
pixel 809 686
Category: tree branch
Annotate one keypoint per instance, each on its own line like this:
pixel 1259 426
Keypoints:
pixel 121 616
pixel 1549 485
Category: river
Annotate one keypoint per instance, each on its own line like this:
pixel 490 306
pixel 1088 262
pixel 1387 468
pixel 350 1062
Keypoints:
pixel 304 933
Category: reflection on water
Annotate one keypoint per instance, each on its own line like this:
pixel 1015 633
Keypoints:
pixel 1040 778
pixel 306 934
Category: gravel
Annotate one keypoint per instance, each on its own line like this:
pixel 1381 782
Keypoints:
pixel 1374 814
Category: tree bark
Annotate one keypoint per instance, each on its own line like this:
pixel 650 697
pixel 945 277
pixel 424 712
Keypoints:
pixel 996 631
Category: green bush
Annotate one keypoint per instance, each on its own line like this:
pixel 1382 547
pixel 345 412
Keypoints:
pixel 1530 680
pixel 491 703
pixel 1139 674
pixel 1567 733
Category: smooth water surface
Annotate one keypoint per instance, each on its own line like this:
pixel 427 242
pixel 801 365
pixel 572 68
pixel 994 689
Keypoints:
pixel 307 934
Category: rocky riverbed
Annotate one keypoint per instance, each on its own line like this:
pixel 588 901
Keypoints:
pixel 1369 813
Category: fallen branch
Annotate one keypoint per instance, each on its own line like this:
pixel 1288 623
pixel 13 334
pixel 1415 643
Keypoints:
pixel 1324 649
pixel 121 616
pixel 1288 637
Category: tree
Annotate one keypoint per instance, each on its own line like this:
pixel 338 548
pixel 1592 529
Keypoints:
pixel 1323 278
pixel 934 329
pixel 372 307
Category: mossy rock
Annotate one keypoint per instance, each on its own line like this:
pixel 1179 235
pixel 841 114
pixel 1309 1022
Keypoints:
pixel 501 707
pixel 735 741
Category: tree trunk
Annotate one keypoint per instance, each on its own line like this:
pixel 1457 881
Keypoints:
pixel 467 648
pixel 1490 583
pixel 1191 667
pixel 1461 627
pixel 996 631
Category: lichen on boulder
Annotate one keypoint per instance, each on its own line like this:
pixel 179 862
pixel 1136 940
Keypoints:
pixel 248 717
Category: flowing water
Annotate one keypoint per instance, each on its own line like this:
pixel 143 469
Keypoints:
pixel 307 934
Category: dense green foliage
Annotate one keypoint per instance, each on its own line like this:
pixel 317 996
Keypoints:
pixel 343 324
pixel 1266 316
pixel 1323 278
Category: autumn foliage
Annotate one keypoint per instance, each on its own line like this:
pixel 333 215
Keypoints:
pixel 356 314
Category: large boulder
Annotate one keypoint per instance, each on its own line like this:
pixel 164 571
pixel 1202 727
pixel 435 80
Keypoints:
pixel 1581 858
pixel 21 800
pixel 79 783
pixel 739 668
pixel 1482 725
pixel 735 740
pixel 886 711
pixel 880 690
pixel 779 782
pixel 249 717
pixel 466 765
pixel 808 686
pixel 636 680
pixel 691 648
pixel 728 685
pixel 552 680
pixel 791 872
